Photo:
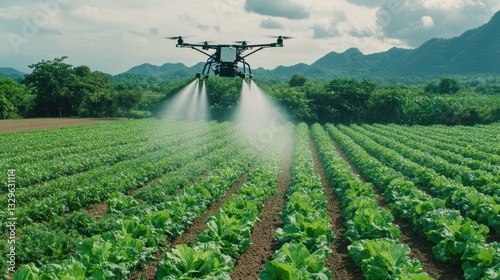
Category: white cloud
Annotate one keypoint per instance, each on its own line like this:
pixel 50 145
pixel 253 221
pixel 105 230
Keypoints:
pixel 427 22
pixel 278 8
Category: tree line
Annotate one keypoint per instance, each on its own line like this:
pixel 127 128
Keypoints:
pixel 57 89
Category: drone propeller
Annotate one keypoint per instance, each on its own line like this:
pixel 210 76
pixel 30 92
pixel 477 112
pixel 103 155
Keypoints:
pixel 206 42
pixel 177 37
pixel 282 37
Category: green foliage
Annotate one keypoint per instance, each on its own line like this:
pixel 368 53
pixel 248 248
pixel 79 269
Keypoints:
pixel 223 95
pixel 203 261
pixel 387 106
pixel 294 261
pixel 63 90
pixel 230 234
pixel 125 101
pixel 60 89
pixel 78 221
pixel 342 100
pixel 445 86
pixel 386 259
pixel 294 100
pixel 45 245
pixel 297 80
pixel 52 82
pixel 15 100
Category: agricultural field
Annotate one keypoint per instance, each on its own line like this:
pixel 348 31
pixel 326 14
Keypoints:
pixel 151 199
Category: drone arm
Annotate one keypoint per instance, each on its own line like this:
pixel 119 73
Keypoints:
pixel 261 48
pixel 194 48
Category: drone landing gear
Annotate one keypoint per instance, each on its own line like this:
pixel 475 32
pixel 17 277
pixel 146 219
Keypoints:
pixel 244 75
pixel 201 76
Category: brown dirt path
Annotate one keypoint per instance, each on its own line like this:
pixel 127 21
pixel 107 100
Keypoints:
pixel 45 123
pixel 252 262
pixel 339 263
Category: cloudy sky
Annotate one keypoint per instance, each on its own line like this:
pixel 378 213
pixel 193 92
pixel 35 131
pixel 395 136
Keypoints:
pixel 115 35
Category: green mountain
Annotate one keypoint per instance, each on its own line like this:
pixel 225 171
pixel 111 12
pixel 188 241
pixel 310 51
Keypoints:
pixel 475 52
pixel 154 70
pixel 11 73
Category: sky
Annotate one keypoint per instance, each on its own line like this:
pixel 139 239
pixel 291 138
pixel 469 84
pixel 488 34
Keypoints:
pixel 113 36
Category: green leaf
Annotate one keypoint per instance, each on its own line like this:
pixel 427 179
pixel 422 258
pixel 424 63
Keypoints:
pixel 278 270
pixel 27 272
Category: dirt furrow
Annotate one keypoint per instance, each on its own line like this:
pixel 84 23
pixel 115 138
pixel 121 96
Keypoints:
pixel 252 262
pixel 189 235
pixel 339 263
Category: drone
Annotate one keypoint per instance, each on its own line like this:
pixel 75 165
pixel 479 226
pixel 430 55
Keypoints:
pixel 224 62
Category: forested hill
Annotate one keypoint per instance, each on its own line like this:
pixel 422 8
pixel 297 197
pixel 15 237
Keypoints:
pixel 476 52
pixel 11 73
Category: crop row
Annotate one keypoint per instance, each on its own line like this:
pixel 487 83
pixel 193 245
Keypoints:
pixel 63 234
pixel 306 234
pixel 469 146
pixel 466 134
pixel 434 147
pixel 70 194
pixel 115 254
pixel 375 247
pixel 484 182
pixel 39 171
pixel 54 142
pixel 74 141
pixel 95 175
pixel 78 225
pixel 457 239
pixel 472 203
pixel 227 233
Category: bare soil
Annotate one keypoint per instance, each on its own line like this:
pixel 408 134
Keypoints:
pixel 97 211
pixel 189 235
pixel 45 123
pixel 339 263
pixel 252 262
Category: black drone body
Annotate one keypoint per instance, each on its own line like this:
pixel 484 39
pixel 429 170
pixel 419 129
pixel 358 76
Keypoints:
pixel 226 58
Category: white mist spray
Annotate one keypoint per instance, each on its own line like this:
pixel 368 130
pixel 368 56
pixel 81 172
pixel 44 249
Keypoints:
pixel 257 117
pixel 191 103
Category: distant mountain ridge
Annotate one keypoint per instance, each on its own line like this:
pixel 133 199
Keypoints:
pixel 475 52
pixel 11 73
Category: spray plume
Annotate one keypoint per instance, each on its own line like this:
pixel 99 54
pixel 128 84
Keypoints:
pixel 191 103
pixel 257 117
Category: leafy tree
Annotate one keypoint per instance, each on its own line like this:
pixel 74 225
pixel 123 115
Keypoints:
pixel 96 93
pixel 445 86
pixel 297 80
pixel 15 100
pixel 448 86
pixel 342 100
pixel 125 100
pixel 386 106
pixel 51 82
pixel 294 101
pixel 223 95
